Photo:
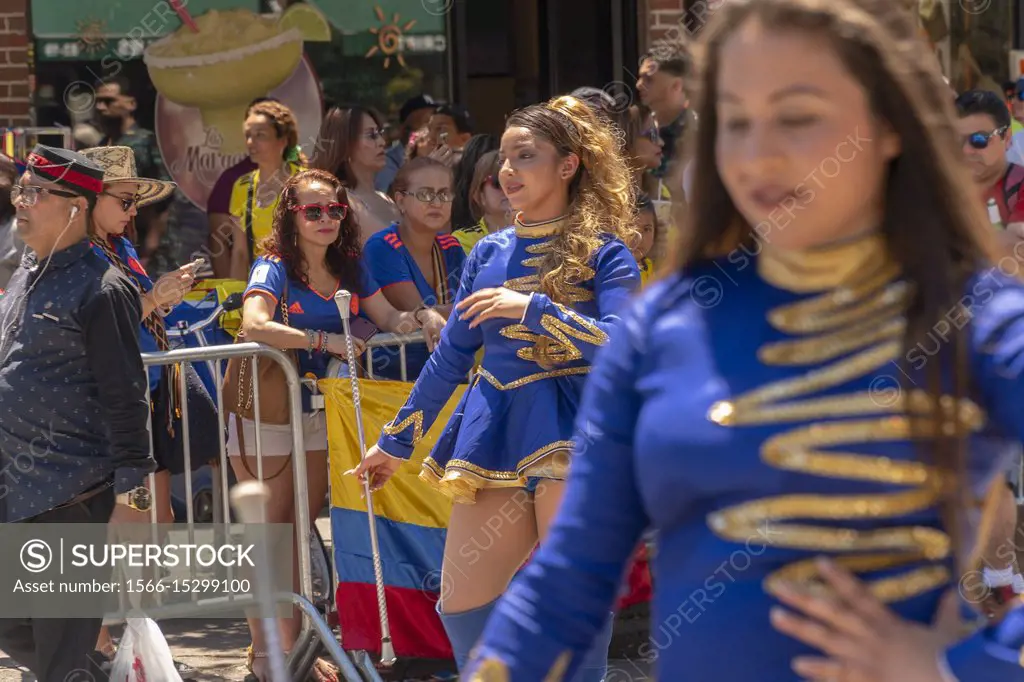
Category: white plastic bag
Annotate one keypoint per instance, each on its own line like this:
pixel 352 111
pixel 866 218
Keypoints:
pixel 143 655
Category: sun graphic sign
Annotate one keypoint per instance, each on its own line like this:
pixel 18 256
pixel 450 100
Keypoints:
pixel 389 36
pixel 92 35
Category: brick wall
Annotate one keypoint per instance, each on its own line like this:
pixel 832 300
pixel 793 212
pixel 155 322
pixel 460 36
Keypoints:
pixel 662 20
pixel 674 19
pixel 15 104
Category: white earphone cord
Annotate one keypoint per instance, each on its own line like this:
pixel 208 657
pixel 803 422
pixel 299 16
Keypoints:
pixel 8 323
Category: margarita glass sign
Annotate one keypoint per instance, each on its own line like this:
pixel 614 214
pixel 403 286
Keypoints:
pixel 208 71
pixel 225 59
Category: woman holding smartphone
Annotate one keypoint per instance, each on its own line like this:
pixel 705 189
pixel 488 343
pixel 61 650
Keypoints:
pixel 311 254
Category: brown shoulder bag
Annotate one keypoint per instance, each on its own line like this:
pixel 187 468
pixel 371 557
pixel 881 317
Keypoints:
pixel 238 383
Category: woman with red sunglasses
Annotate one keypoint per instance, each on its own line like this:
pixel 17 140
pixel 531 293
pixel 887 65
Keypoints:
pixel 312 252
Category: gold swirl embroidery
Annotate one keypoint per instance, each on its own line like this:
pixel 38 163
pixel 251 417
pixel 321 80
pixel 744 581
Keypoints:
pixel 819 349
pixel 531 283
pixel 415 420
pixel 530 378
pixel 563 332
pixel 490 670
pixel 811 317
pixel 557 672
pixel 873 338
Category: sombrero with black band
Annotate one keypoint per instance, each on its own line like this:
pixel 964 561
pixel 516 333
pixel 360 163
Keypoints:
pixel 66 168
pixel 118 164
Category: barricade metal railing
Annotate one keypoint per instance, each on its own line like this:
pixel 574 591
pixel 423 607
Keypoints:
pixel 316 632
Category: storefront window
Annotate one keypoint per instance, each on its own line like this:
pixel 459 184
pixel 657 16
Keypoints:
pixel 383 52
pixel 972 39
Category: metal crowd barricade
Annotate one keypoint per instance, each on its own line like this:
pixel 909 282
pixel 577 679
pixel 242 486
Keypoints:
pixel 316 632
pixel 400 340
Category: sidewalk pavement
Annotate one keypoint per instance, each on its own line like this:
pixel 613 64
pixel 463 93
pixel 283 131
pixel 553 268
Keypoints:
pixel 215 648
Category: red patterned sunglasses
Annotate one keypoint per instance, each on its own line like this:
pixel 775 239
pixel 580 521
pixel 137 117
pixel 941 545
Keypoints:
pixel 314 212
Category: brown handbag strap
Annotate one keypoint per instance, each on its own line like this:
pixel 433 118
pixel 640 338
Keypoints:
pixel 245 462
pixel 238 418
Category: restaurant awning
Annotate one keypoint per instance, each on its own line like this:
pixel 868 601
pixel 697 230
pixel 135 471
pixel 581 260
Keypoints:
pixel 92 29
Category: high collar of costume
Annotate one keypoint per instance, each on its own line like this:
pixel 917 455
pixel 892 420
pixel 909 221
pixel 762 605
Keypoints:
pixel 544 228
pixel 819 269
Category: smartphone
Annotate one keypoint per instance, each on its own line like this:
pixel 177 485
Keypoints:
pixel 444 138
pixel 363 329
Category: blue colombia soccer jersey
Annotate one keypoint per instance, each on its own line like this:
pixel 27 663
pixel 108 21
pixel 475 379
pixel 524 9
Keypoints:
pixel 307 308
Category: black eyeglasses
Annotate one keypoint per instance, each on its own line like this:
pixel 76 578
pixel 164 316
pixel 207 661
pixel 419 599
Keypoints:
pixel 314 212
pixel 980 140
pixel 126 204
pixel 428 195
pixel 374 134
pixel 29 194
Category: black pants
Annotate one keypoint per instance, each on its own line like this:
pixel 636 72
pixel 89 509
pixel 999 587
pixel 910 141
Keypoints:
pixel 60 650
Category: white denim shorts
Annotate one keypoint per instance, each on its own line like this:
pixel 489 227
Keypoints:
pixel 276 439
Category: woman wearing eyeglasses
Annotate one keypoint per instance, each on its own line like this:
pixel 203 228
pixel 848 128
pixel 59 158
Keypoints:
pixel 416 264
pixel 312 252
pixel 487 203
pixel 643 147
pixel 351 146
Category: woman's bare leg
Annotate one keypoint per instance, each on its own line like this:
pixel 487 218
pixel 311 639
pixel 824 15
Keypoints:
pixel 486 544
pixel 280 509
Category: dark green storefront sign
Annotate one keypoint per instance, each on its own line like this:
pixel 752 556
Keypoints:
pixel 91 29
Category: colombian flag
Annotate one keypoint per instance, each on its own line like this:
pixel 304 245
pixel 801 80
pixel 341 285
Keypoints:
pixel 411 521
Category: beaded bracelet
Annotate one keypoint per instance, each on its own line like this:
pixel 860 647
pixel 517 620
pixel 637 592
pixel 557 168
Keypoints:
pixel 310 340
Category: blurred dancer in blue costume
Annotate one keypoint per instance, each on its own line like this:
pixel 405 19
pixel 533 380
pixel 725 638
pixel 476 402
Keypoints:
pixel 833 369
pixel 540 297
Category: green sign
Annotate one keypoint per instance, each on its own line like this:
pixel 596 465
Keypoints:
pixel 95 20
pixel 77 50
pixel 397 17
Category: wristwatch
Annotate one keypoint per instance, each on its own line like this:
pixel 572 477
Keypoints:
pixel 139 499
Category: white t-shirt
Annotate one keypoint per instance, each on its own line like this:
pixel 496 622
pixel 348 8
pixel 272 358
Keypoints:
pixel 1015 153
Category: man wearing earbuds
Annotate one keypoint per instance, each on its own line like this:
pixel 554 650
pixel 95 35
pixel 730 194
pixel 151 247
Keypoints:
pixel 73 404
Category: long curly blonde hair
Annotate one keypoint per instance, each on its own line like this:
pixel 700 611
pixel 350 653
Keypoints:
pixel 602 199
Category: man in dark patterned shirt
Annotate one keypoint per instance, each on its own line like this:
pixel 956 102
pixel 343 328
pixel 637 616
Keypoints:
pixel 73 403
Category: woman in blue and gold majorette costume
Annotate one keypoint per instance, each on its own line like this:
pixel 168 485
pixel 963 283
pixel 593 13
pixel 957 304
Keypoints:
pixel 540 297
pixel 831 368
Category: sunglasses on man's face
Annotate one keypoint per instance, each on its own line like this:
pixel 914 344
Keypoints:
pixel 981 140
pixel 314 212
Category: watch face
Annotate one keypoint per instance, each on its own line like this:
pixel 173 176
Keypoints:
pixel 141 499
